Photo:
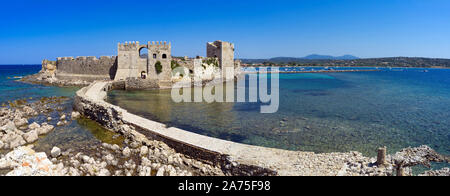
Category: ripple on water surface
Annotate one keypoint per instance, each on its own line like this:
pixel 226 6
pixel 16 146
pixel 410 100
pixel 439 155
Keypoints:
pixel 320 112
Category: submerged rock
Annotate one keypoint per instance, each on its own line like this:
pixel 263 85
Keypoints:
pixel 20 122
pixel 56 152
pixel 45 128
pixel 28 111
pixel 75 115
pixel 34 126
pixel 31 136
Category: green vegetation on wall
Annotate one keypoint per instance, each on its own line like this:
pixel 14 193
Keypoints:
pixel 158 67
pixel 212 61
pixel 174 64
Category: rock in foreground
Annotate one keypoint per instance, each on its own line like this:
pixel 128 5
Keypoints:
pixel 24 161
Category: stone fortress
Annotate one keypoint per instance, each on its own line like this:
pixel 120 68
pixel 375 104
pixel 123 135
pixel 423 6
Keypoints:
pixel 144 70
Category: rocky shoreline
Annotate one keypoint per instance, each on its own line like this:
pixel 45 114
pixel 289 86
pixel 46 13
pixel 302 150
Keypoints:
pixel 17 157
pixel 43 78
pixel 20 129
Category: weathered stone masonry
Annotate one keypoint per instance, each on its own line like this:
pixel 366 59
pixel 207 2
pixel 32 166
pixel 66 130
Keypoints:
pixel 86 68
pixel 153 70
pixel 132 65
pixel 224 51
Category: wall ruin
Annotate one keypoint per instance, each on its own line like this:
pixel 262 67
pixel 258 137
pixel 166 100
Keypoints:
pixel 86 68
pixel 129 64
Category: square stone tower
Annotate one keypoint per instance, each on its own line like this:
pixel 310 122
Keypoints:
pixel 159 53
pixel 224 51
pixel 128 60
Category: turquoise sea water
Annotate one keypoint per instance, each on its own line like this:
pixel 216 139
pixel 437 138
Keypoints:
pixel 10 89
pixel 330 112
pixel 318 112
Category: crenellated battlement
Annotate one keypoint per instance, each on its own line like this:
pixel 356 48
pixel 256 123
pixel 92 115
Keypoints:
pixel 82 58
pixel 65 59
pixel 159 44
pixel 108 57
pixel 86 58
pixel 127 46
pixel 135 45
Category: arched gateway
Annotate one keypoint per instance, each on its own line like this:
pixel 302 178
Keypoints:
pixel 134 59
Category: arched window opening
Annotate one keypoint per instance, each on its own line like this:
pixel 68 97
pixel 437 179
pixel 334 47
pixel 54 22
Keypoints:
pixel 164 56
pixel 143 75
pixel 154 56
pixel 143 53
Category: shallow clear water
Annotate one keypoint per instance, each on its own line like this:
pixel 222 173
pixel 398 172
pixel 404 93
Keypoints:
pixel 330 112
pixel 75 135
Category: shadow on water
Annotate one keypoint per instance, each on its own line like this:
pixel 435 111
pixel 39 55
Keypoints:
pixel 231 136
pixel 100 133
pixel 247 107
pixel 77 135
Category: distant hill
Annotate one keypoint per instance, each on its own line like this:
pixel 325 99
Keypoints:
pixel 351 61
pixel 327 57
pixel 144 56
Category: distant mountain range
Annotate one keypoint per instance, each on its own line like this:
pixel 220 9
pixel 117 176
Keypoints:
pixel 328 57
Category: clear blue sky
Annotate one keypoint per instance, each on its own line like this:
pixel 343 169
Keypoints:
pixel 33 30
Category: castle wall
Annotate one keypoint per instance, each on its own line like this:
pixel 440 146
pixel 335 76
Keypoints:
pixel 129 64
pixel 185 62
pixel 48 67
pixel 86 68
